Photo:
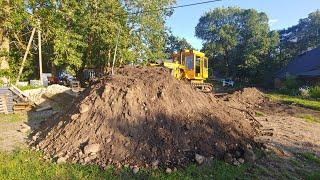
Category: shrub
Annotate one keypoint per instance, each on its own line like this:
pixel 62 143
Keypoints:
pixel 315 92
pixel 292 83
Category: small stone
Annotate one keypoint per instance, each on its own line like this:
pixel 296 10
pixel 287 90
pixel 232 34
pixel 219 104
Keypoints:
pixel 238 154
pixel 35 137
pixel 108 140
pixel 84 108
pixel 236 163
pixel 249 156
pixel 92 148
pixel 62 160
pixel 75 116
pixel 175 169
pixel 200 159
pixel 135 170
pixel 168 170
pixel 155 164
pixel 241 160
pixel 25 129
pixel 228 158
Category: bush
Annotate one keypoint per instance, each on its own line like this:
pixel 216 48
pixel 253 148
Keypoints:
pixel 292 83
pixel 315 92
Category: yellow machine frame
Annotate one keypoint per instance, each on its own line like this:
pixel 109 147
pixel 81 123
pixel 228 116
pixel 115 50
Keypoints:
pixel 191 65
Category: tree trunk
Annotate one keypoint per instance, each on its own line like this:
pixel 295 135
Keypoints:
pixel 4 50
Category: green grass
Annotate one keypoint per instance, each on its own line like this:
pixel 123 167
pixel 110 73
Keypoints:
pixel 13 117
pixel 309 118
pixel 259 114
pixel 312 104
pixel 27 164
pixel 311 157
pixel 29 87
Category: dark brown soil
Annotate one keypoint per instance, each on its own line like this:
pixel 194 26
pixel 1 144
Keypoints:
pixel 143 115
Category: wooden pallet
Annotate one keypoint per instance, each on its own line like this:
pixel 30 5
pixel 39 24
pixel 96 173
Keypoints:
pixel 18 107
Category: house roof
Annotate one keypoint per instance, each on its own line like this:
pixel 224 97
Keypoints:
pixel 306 64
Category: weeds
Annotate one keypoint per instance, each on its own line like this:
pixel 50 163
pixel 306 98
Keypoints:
pixel 309 118
pixel 312 104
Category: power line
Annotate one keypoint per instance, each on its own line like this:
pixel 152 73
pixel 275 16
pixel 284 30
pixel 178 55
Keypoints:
pixel 179 6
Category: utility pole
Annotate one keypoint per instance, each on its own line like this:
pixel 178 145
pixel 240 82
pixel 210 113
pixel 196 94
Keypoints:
pixel 115 52
pixel 40 55
pixel 26 54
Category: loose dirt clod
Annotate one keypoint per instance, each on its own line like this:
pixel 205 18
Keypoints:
pixel 143 114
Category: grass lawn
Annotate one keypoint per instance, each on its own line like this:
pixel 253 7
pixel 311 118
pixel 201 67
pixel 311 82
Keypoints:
pixel 27 164
pixel 312 104
pixel 13 117
pixel 309 118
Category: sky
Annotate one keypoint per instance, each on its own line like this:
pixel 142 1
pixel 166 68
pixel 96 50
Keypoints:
pixel 282 14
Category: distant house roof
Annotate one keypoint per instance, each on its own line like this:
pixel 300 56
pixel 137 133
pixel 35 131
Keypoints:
pixel 305 65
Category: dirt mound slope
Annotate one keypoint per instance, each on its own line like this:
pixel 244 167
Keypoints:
pixel 144 117
pixel 247 98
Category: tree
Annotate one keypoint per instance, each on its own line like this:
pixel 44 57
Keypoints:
pixel 175 44
pixel 146 22
pixel 238 40
pixel 300 38
pixel 13 27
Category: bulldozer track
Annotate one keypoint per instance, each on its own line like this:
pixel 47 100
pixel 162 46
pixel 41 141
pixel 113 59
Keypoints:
pixel 203 87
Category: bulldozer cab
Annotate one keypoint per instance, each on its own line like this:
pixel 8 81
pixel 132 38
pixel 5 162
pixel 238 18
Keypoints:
pixel 195 64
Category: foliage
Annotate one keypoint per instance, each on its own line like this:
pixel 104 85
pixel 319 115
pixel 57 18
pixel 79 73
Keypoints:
pixel 312 104
pixel 311 157
pixel 79 34
pixel 29 87
pixel 301 37
pixel 175 44
pixel 238 40
pixel 315 92
pixel 29 165
pixel 292 83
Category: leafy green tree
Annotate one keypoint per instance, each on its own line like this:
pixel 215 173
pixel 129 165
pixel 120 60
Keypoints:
pixel 237 40
pixel 175 44
pixel 147 27
pixel 300 38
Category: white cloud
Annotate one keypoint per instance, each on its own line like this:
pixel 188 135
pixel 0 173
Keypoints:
pixel 273 21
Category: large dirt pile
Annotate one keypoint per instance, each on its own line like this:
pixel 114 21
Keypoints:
pixel 145 117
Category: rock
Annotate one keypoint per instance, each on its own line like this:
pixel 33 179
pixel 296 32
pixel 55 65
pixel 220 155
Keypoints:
pixel 228 158
pixel 155 164
pixel 200 159
pixel 84 108
pixel 241 160
pixel 135 170
pixel 24 128
pixel 236 163
pixel 62 160
pixel 175 169
pixel 35 137
pixel 108 140
pixel 238 154
pixel 249 155
pixel 92 148
pixel 75 116
pixel 168 170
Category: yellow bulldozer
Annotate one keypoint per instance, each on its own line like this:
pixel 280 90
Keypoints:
pixel 192 66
